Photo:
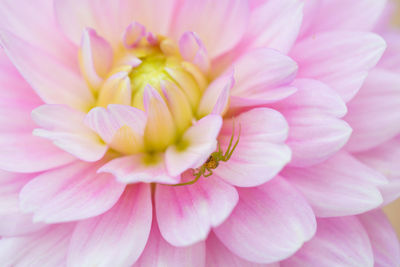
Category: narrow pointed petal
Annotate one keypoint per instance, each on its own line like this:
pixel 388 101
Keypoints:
pixel 201 141
pixel 219 256
pixel 193 50
pixel 95 58
pixel 187 83
pixel 117 237
pixel 269 223
pixel 137 168
pixel 178 105
pixel 158 252
pixel 215 90
pixel 54 81
pixel 103 123
pixel 261 152
pixel 330 58
pixel 338 242
pixel 73 192
pixel 116 90
pixel 132 121
pixel 133 35
pixel 374 114
pixel 340 186
pixel 384 242
pixel 185 214
pixel 229 20
pixel 160 128
pixel 65 127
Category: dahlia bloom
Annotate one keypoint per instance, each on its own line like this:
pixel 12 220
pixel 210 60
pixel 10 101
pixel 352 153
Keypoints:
pixel 197 133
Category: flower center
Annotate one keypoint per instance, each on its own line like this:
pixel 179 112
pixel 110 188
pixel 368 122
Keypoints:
pixel 152 76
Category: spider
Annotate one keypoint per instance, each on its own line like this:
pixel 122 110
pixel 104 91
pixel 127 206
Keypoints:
pixel 213 160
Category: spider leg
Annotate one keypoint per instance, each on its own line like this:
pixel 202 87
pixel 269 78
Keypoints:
pixel 210 172
pixel 190 182
pixel 230 142
pixel 234 147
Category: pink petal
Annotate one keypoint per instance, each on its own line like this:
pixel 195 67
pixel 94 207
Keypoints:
pixel 315 132
pixel 18 224
pixel 374 114
pixel 385 159
pixel 53 80
pixel 74 17
pixel 12 221
pixel 129 116
pixel 219 256
pixel 193 50
pixel 10 186
pixel 313 94
pixel 133 35
pixel 160 130
pixel 211 101
pixel 339 59
pixel 157 15
pixel 202 141
pixel 17 99
pixel 269 223
pixel 73 192
pixel 133 169
pixel 102 122
pixel 46 248
pixel 116 238
pixel 340 186
pixel 314 135
pixel 262 76
pixel 357 15
pixel 338 242
pixel 95 57
pixel 159 252
pixel 35 23
pixel 261 152
pixel 275 24
pixel 222 102
pixel 228 19
pixel 65 127
pixel 185 214
pixel 23 152
pixel 391 57
pixel 384 242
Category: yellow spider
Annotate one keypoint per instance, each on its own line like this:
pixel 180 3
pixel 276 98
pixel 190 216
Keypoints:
pixel 214 159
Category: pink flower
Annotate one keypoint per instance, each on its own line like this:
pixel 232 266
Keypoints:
pixel 197 133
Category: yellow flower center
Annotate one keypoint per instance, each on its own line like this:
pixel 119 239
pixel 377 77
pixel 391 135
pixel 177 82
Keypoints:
pixel 176 86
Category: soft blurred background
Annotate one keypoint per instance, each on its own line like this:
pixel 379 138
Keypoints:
pixel 393 210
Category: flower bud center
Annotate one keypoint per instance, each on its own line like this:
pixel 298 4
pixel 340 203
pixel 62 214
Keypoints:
pixel 153 77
